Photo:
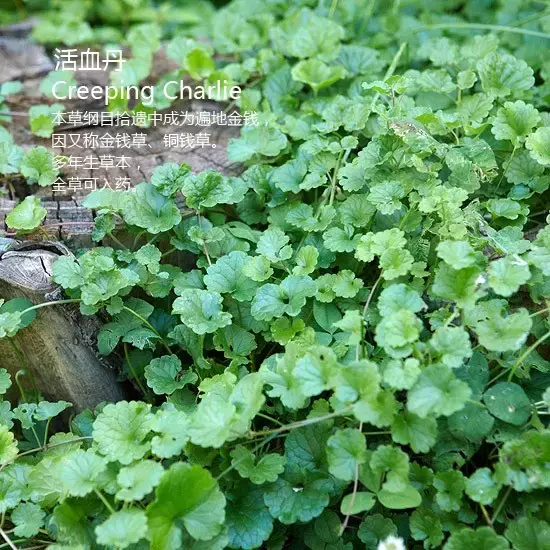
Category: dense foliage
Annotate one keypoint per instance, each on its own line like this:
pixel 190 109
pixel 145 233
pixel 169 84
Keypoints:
pixel 359 349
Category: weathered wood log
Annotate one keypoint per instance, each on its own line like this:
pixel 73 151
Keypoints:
pixel 57 347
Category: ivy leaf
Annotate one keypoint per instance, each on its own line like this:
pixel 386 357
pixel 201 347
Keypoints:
pixel 438 392
pixel 28 518
pixel 346 451
pixel 201 310
pixel 503 75
pixel 356 503
pixel 481 487
pixel 267 469
pixel 8 445
pixel 147 208
pixel 528 533
pixel 164 375
pixel 261 140
pixel 538 145
pixel 123 528
pixel 497 332
pixel 248 519
pixel 294 498
pixel 484 537
pixel 419 433
pixel 169 178
pixel 202 511
pixel 273 244
pixel 82 470
pixel 288 298
pixel 426 526
pixel 37 166
pixel 317 74
pixel 27 215
pixel 450 486
pixel 120 431
pixel 226 276
pixel 514 121
pixel 138 480
pixel 457 254
pixel 171 433
pixel 508 274
pixel 452 345
pixel 508 402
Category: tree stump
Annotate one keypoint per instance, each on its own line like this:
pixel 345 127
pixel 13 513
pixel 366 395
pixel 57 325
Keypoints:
pixel 57 347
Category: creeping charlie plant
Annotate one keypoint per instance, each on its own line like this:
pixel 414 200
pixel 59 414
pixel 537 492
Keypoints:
pixel 354 352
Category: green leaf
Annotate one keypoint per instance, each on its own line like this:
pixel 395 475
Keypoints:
pixel 27 215
pixel 481 487
pixel 28 518
pixel 261 140
pixel 123 528
pixel 190 494
pixel 82 471
pixel 273 244
pixel 8 445
pixel 408 497
pixel 498 332
pixel 482 538
pixel 165 375
pixel 317 74
pixel 438 392
pixel 514 121
pixel 529 533
pixel 121 429
pixel 266 469
pixel 248 519
pixel 503 75
pixel 138 480
pixel 201 310
pixel 508 274
pixel 356 503
pixel 419 433
pixel 346 451
pixel 452 345
pixel 171 433
pixel 426 526
pixel 147 208
pixel 538 145
pixel 294 498
pixel 288 298
pixel 226 276
pixel 457 254
pixel 508 402
pixel 450 486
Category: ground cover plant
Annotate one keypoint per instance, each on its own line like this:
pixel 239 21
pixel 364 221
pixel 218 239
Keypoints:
pixel 357 357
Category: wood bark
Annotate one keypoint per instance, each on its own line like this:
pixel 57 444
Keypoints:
pixel 57 347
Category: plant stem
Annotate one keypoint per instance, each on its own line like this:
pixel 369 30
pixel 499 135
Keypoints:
pixel 365 309
pixel 390 71
pixel 300 423
pixel 234 464
pixel 7 539
pixel 54 303
pixel 104 500
pixel 486 516
pixel 483 27
pixel 501 505
pixel 354 493
pixel 149 326
pixel 130 366
pixel 115 240
pixel 524 355
pixel 270 419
